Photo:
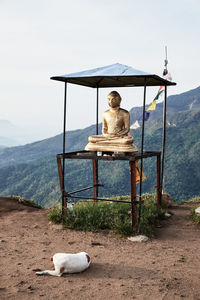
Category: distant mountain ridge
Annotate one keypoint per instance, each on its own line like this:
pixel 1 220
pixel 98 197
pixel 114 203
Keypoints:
pixel 8 134
pixel 31 170
pixel 77 139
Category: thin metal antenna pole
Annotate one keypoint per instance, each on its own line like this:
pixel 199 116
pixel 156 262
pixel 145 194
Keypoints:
pixel 166 61
pixel 164 139
pixel 142 150
pixel 97 112
pixel 164 125
pixel 97 132
pixel 64 146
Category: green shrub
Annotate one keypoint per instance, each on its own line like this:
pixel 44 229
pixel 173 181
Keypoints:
pixel 195 217
pixel 91 216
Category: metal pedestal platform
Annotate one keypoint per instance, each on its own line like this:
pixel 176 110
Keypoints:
pixel 109 156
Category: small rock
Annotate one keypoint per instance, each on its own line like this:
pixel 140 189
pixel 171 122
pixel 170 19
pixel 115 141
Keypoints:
pixel 167 215
pixel 57 226
pixel 197 210
pixel 138 238
pixel 36 226
pixel 2 241
pixel 70 242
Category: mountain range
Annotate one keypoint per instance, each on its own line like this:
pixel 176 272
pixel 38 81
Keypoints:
pixel 31 170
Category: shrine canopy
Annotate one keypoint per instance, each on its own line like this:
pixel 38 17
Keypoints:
pixel 116 75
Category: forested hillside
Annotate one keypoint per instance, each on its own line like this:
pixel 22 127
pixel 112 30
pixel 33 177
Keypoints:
pixel 31 170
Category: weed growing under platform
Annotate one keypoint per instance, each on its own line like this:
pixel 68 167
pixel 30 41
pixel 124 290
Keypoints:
pixel 91 216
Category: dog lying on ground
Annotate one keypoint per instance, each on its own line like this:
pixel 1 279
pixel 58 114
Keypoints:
pixel 68 263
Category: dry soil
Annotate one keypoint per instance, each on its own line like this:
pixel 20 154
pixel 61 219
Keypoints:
pixel 166 267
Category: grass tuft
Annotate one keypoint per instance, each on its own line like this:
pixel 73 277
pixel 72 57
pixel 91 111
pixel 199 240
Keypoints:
pixel 90 216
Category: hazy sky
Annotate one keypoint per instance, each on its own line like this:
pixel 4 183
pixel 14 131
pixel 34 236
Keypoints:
pixel 43 38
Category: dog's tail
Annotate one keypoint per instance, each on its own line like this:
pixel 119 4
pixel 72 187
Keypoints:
pixel 50 272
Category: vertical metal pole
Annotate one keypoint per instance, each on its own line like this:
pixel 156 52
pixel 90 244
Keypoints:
pixel 142 150
pixel 63 156
pixel 60 172
pixel 158 190
pixel 97 112
pixel 133 193
pixel 95 162
pixel 164 139
pixel 95 187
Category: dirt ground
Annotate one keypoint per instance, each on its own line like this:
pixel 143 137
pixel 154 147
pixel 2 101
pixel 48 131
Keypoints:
pixel 166 267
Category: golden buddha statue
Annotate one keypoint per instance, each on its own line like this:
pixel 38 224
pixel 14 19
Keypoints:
pixel 115 129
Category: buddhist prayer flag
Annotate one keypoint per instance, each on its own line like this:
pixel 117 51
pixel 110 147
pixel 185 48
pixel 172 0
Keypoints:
pixel 152 106
pixel 160 91
pixel 135 125
pixel 168 76
pixel 146 116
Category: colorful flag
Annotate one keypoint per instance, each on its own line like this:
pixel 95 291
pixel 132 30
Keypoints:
pixel 146 116
pixel 160 91
pixel 152 106
pixel 135 125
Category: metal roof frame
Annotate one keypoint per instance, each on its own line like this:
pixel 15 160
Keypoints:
pixel 116 75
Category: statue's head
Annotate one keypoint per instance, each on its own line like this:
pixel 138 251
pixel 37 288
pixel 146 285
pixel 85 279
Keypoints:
pixel 114 99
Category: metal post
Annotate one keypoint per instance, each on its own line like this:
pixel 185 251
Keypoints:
pixel 60 172
pixel 95 162
pixel 95 179
pixel 63 158
pixel 158 190
pixel 164 139
pixel 133 193
pixel 142 149
pixel 97 112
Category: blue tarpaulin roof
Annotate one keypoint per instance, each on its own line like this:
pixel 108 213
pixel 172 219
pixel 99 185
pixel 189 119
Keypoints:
pixel 116 75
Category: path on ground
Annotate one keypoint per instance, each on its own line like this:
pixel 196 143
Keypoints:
pixel 166 267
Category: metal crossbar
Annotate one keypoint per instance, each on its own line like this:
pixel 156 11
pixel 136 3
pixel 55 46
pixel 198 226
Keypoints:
pixel 68 195
pixel 131 158
pixel 85 189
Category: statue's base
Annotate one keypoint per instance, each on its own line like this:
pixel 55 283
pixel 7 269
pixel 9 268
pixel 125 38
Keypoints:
pixel 110 148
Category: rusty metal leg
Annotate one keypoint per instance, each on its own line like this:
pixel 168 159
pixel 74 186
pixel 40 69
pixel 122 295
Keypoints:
pixel 158 187
pixel 60 174
pixel 133 193
pixel 95 178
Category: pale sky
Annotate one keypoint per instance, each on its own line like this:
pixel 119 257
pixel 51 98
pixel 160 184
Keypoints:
pixel 44 38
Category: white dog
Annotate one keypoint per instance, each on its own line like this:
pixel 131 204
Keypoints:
pixel 68 263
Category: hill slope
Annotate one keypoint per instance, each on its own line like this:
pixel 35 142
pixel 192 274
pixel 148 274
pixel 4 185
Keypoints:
pixel 176 103
pixel 31 170
pixel 77 139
